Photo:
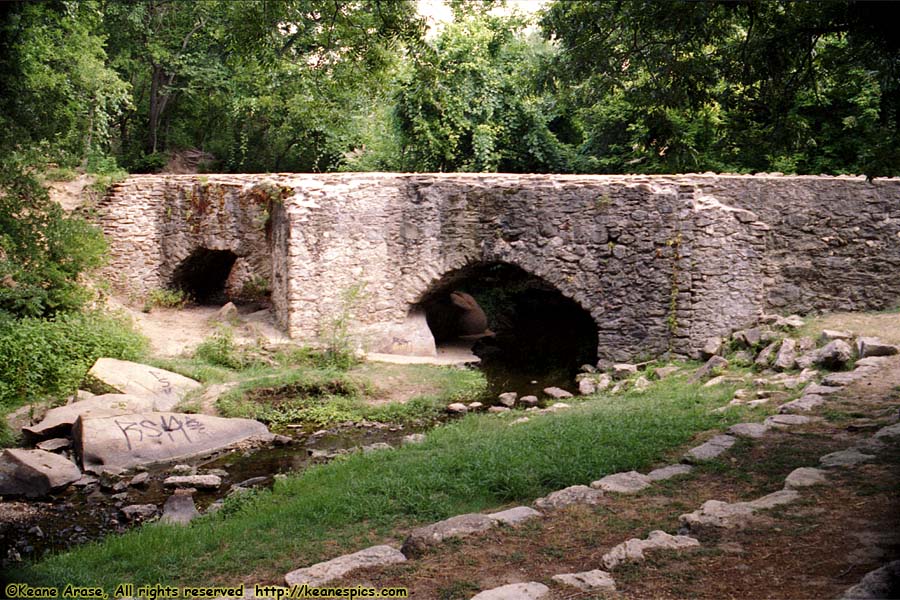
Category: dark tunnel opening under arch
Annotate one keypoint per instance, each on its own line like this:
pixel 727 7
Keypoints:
pixel 202 275
pixel 536 335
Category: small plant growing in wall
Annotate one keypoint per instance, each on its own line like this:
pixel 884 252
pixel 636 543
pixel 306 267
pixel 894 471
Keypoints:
pixel 336 335
pixel 672 319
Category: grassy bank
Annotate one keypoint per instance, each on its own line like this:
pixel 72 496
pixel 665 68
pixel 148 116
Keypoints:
pixel 473 464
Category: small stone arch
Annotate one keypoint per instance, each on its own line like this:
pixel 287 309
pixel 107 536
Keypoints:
pixel 203 275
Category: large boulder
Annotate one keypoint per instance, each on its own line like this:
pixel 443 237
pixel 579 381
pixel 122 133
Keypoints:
pixel 34 473
pixel 122 442
pixel 59 421
pixel 165 387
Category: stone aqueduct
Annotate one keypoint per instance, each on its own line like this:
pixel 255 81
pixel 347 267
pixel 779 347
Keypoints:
pixel 659 262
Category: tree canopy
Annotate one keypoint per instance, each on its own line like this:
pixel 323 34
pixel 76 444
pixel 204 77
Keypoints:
pixel 583 86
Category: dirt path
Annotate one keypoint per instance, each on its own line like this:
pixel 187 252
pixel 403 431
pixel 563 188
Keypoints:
pixel 816 547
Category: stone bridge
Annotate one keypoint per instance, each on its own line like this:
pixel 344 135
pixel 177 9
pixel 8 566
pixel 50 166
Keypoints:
pixel 658 262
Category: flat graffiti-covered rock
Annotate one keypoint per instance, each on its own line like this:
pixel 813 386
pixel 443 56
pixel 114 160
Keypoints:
pixel 126 441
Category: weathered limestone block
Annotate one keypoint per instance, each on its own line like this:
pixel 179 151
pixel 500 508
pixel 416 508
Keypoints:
pixel 166 388
pixel 668 472
pixel 514 516
pixel 587 581
pixel 804 477
pixel 126 441
pixel 59 421
pixel 179 508
pixel 459 526
pixel 324 572
pixel 34 473
pixel 710 449
pixel 515 591
pixel 870 346
pixel 623 483
pixel 633 549
pixel 575 494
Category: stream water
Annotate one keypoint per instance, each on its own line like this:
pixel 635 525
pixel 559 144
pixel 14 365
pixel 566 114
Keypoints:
pixel 32 529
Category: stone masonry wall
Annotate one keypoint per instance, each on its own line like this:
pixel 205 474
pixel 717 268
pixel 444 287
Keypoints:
pixel 660 262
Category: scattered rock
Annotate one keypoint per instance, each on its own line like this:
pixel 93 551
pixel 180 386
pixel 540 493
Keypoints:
pixel 891 431
pixel 714 363
pixel 742 358
pixel 557 393
pixel 623 370
pixel 641 384
pixel 872 361
pixel 34 473
pixel 430 535
pixel 634 548
pixel 520 420
pixel 179 509
pixel 833 334
pixel 376 447
pixel 749 430
pixel 877 585
pixel 587 369
pixel 528 401
pixel 786 359
pixel 576 494
pixel 181 470
pixel 710 449
pixel 514 516
pixel 587 386
pixel 474 406
pixel 748 337
pixel 789 322
pixel 719 379
pixel 845 458
pixel 844 378
pixel 785 421
pixel 508 399
pixel 871 346
pixel 820 390
pixel 457 408
pixel 711 347
pixel 128 441
pixel 630 482
pixel 802 404
pixel 139 479
pixel 139 512
pixel 804 477
pixel 202 482
pixel 499 409
pixel 668 472
pixel 52 445
pixel 588 581
pixel 515 591
pixel 227 314
pixel 765 355
pixel 414 438
pixel 663 372
pixel 59 421
pixel 834 355
pixel 715 513
pixel 557 406
pixel 325 572
pixel 165 387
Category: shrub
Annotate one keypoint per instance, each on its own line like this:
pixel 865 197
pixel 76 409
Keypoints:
pixel 160 298
pixel 49 357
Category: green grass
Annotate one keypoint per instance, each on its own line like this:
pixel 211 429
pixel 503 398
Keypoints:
pixel 475 463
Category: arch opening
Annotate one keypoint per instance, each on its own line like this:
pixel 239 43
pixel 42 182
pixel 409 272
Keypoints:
pixel 527 334
pixel 203 275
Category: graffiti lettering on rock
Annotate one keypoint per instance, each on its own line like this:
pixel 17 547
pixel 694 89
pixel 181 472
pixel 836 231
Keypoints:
pixel 166 428
pixel 163 382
